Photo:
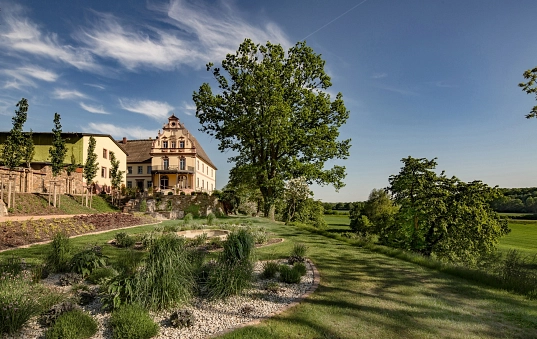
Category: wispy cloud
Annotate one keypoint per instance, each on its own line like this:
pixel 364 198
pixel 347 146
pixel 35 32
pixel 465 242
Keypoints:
pixel 203 33
pixel 154 109
pixel 188 108
pixel 402 91
pixel 22 77
pixel 441 84
pixel 93 109
pixel 101 87
pixel 68 94
pixel 21 35
pixel 119 132
pixel 379 75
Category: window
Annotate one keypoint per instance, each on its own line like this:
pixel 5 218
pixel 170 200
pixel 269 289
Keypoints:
pixel 182 164
pixel 140 170
pixel 166 163
pixel 202 167
pixel 202 183
pixel 148 169
pixel 198 183
pixel 164 144
pixel 164 182
pixel 212 173
pixel 198 166
pixel 149 184
pixel 129 184
pixel 129 169
pixel 103 172
pixel 181 144
pixel 110 173
pixel 173 144
pixel 211 187
pixel 105 153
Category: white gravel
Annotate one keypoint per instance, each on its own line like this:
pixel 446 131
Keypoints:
pixel 210 317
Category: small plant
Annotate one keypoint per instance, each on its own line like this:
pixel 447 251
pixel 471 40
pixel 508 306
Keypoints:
pixel 132 322
pixel 75 324
pixel 119 291
pixel 70 278
pixel 211 218
pixel 270 268
pixel 215 242
pixel 297 253
pixel 12 264
pixel 227 279
pixel 289 275
pixel 182 318
pixel 171 228
pixel 49 317
pixel 59 254
pixel 199 240
pixel 84 262
pixel 129 260
pixel 124 240
pixel 246 309
pixel 239 246
pixel 272 287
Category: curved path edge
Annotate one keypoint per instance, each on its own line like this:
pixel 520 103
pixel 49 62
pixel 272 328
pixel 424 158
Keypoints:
pixel 313 287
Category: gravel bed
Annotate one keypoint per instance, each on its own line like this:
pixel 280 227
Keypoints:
pixel 211 317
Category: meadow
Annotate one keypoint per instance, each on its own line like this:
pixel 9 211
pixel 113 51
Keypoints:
pixel 363 294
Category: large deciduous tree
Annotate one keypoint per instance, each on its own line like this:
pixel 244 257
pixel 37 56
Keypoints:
pixel 90 167
pixel 443 216
pixel 530 87
pixel 57 151
pixel 273 111
pixel 12 153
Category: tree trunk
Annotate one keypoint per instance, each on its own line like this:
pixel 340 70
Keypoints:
pixel 9 195
pixel 54 194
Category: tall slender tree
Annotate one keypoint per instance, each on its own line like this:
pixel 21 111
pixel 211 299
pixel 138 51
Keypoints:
pixel 90 168
pixel 12 153
pixel 116 175
pixel 28 155
pixel 57 152
pixel 70 168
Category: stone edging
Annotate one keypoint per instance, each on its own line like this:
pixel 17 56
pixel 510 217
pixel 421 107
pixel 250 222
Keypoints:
pixel 313 287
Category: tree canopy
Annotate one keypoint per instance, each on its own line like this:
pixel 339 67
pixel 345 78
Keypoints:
pixel 530 87
pixel 13 152
pixel 272 110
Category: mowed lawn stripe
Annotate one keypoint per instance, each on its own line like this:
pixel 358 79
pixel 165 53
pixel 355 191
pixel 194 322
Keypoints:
pixel 369 295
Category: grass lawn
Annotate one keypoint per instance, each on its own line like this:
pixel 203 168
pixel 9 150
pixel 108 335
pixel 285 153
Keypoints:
pixel 523 237
pixel 369 295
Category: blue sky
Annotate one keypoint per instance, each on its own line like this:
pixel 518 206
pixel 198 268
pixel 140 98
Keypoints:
pixel 420 78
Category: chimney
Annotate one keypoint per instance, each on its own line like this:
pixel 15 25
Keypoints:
pixel 124 141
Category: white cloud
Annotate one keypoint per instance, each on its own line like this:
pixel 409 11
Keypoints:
pixel 96 86
pixel 379 75
pixel 21 35
pixel 188 108
pixel 93 109
pixel 37 73
pixel 154 109
pixel 119 132
pixel 68 94
pixel 22 77
pixel 205 33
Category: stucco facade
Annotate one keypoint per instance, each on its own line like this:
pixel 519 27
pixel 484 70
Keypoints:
pixel 172 162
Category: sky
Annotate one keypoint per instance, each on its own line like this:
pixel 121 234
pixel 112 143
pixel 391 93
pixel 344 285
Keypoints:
pixel 420 78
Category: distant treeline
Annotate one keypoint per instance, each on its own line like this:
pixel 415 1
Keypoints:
pixel 516 200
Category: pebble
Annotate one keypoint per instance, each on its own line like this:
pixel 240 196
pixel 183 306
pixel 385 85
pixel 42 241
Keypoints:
pixel 211 317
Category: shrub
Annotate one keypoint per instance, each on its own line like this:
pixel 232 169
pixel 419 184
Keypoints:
pixel 119 291
pixel 170 193
pixel 59 254
pixel 239 246
pixel 194 210
pixel 132 322
pixel 101 274
pixel 20 300
pixel 260 236
pixel 215 242
pixel 12 264
pixel 272 287
pixel 289 275
pixel 84 262
pixel 75 324
pixel 199 240
pixel 297 253
pixel 124 240
pixel 211 218
pixel 300 268
pixel 270 268
pixel 129 260
pixel 227 279
pixel 49 317
pixel 143 206
pixel 187 220
pixel 167 277
pixel 171 228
